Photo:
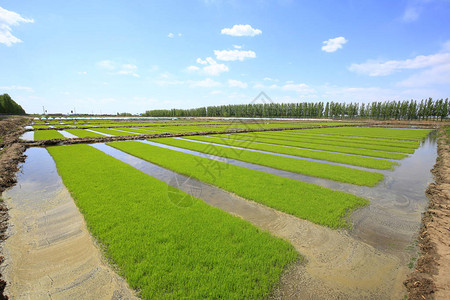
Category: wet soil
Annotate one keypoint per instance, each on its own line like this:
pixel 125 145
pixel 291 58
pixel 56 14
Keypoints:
pixel 11 154
pixel 431 278
pixel 50 253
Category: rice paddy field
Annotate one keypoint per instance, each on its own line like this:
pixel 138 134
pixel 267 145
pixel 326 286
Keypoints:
pixel 198 208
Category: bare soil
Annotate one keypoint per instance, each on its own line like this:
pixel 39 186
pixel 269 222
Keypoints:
pixel 11 154
pixel 431 278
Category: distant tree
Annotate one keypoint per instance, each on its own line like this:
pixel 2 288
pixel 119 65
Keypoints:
pixel 9 106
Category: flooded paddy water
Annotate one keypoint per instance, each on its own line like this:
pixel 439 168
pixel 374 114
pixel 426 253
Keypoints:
pixel 368 262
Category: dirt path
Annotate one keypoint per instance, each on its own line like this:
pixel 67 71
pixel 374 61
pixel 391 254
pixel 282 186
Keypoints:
pixel 431 279
pixel 50 253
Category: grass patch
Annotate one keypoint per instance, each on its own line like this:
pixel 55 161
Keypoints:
pixel 361 161
pixel 332 148
pixel 47 135
pixel 304 200
pixel 321 170
pixel 164 250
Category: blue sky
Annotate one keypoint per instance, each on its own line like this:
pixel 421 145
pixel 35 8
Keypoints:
pixel 131 56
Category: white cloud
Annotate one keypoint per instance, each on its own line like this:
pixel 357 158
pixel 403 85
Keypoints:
pixel 333 45
pixel 119 69
pixel 169 82
pixel 207 83
pixel 202 62
pixel 411 14
pixel 106 65
pixel 210 67
pixel 300 88
pixel 376 68
pixel 232 55
pixel 237 47
pixel 170 35
pixel 128 69
pixel 16 88
pixel 192 69
pixel 237 83
pixel 82 73
pixel 8 19
pixel 215 69
pixel 241 30
pixel 439 74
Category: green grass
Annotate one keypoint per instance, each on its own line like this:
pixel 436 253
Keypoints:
pixel 47 135
pixel 313 140
pixel 83 133
pixel 307 201
pixel 361 161
pixel 339 149
pixel 316 169
pixel 167 251
pixel 384 133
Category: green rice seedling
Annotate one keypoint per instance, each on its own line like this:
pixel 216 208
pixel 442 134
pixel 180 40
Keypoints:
pixel 384 133
pixel 367 162
pixel 351 139
pixel 313 140
pixel 47 135
pixel 83 133
pixel 163 250
pixel 332 148
pixel 321 170
pixel 304 200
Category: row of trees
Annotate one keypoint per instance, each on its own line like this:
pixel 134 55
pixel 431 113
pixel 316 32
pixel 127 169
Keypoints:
pixel 398 110
pixel 9 106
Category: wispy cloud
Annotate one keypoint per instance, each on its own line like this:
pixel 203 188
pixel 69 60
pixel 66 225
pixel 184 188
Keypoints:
pixel 333 45
pixel 209 67
pixel 8 19
pixel 237 83
pixel 232 55
pixel 16 88
pixel 206 83
pixel 241 30
pixel 117 68
pixel 377 68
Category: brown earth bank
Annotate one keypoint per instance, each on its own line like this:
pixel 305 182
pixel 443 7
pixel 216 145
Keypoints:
pixel 11 154
pixel 431 278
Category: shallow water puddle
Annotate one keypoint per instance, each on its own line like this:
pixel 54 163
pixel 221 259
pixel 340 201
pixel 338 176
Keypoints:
pixel 49 253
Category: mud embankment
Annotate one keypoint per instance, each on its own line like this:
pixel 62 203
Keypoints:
pixel 431 278
pixel 11 154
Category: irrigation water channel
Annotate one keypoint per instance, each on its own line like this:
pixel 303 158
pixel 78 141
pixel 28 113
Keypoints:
pixel 50 252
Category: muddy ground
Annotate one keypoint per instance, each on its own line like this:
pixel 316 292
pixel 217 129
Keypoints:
pixel 11 154
pixel 431 278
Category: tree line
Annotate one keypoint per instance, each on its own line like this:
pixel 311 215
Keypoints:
pixel 399 110
pixel 9 106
